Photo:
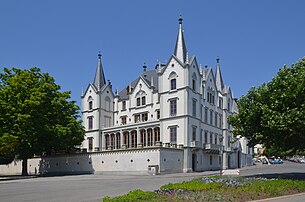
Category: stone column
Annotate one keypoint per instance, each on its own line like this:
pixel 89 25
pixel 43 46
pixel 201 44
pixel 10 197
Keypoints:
pixel 129 138
pixel 103 142
pixel 153 137
pixel 122 138
pixel 115 141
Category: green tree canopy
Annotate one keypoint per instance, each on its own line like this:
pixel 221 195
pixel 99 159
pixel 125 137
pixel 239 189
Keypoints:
pixel 273 114
pixel 35 117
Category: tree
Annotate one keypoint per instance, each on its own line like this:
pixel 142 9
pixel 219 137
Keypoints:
pixel 35 117
pixel 273 114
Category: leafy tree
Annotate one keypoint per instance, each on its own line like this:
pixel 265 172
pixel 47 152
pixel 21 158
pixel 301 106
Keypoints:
pixel 35 117
pixel 273 114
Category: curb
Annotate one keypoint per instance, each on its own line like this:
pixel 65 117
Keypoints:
pixel 279 197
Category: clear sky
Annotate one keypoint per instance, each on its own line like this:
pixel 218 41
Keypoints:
pixel 252 38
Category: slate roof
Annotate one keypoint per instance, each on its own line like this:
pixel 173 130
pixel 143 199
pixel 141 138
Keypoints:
pixel 146 76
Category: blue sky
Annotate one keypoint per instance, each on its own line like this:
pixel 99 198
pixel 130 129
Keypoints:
pixel 252 38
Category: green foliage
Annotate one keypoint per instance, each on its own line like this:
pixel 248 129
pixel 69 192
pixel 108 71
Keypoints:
pixel 191 186
pixel 135 195
pixel 273 114
pixel 35 116
pixel 198 190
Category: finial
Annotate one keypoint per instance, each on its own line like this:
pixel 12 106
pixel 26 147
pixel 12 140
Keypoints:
pixel 217 59
pixel 144 67
pixel 180 19
pixel 116 91
pixel 206 66
pixel 99 54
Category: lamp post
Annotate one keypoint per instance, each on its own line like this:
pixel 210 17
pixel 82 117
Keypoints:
pixel 221 154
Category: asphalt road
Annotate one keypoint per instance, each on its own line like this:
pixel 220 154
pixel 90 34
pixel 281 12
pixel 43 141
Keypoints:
pixel 94 187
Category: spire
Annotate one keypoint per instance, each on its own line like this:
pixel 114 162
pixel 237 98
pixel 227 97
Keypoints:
pixel 180 49
pixel 99 79
pixel 218 77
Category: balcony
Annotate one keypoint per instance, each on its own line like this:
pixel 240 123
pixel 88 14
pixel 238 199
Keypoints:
pixel 211 148
pixel 195 144
pixel 229 149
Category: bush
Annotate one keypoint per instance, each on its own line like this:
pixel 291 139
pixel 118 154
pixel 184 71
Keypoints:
pixel 135 195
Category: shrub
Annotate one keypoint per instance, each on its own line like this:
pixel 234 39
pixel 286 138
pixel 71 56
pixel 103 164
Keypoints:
pixel 135 195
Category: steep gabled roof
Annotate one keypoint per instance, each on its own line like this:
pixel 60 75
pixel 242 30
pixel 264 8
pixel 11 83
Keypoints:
pixel 180 48
pixel 147 76
pixel 99 78
pixel 218 77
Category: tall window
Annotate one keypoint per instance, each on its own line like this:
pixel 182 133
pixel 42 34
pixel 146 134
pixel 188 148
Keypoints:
pixel 137 118
pixel 107 103
pixel 206 115
pixel 211 117
pixel 216 118
pixel 143 100
pixel 144 116
pixel 173 107
pixel 194 84
pixel 90 122
pixel 211 138
pixel 194 107
pixel 220 120
pixel 194 134
pixel 229 105
pixel 201 111
pixel 138 101
pixel 124 121
pixel 158 114
pixel 90 105
pixel 173 84
pixel 215 138
pixel 206 137
pixel 173 134
pixel 123 105
pixel 203 91
pixel 220 103
pixel 90 143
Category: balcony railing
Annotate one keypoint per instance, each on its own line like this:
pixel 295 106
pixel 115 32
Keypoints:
pixel 195 144
pixel 211 148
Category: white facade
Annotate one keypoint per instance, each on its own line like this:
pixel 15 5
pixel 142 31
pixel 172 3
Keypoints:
pixel 177 105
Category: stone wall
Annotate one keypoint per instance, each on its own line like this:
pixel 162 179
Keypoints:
pixel 132 161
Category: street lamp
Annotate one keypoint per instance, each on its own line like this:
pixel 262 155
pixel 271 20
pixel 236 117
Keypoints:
pixel 221 154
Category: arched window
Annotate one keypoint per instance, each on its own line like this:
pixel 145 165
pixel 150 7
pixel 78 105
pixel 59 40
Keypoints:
pixel 173 84
pixel 90 103
pixel 173 80
pixel 194 78
pixel 107 103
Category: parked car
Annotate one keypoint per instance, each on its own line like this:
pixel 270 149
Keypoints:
pixel 301 160
pixel 276 161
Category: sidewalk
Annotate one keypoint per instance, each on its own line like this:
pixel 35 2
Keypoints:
pixel 291 198
pixel 16 177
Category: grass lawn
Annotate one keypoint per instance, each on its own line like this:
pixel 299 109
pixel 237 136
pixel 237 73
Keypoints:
pixel 216 188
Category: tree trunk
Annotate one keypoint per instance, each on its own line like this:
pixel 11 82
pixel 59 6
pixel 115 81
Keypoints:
pixel 24 167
